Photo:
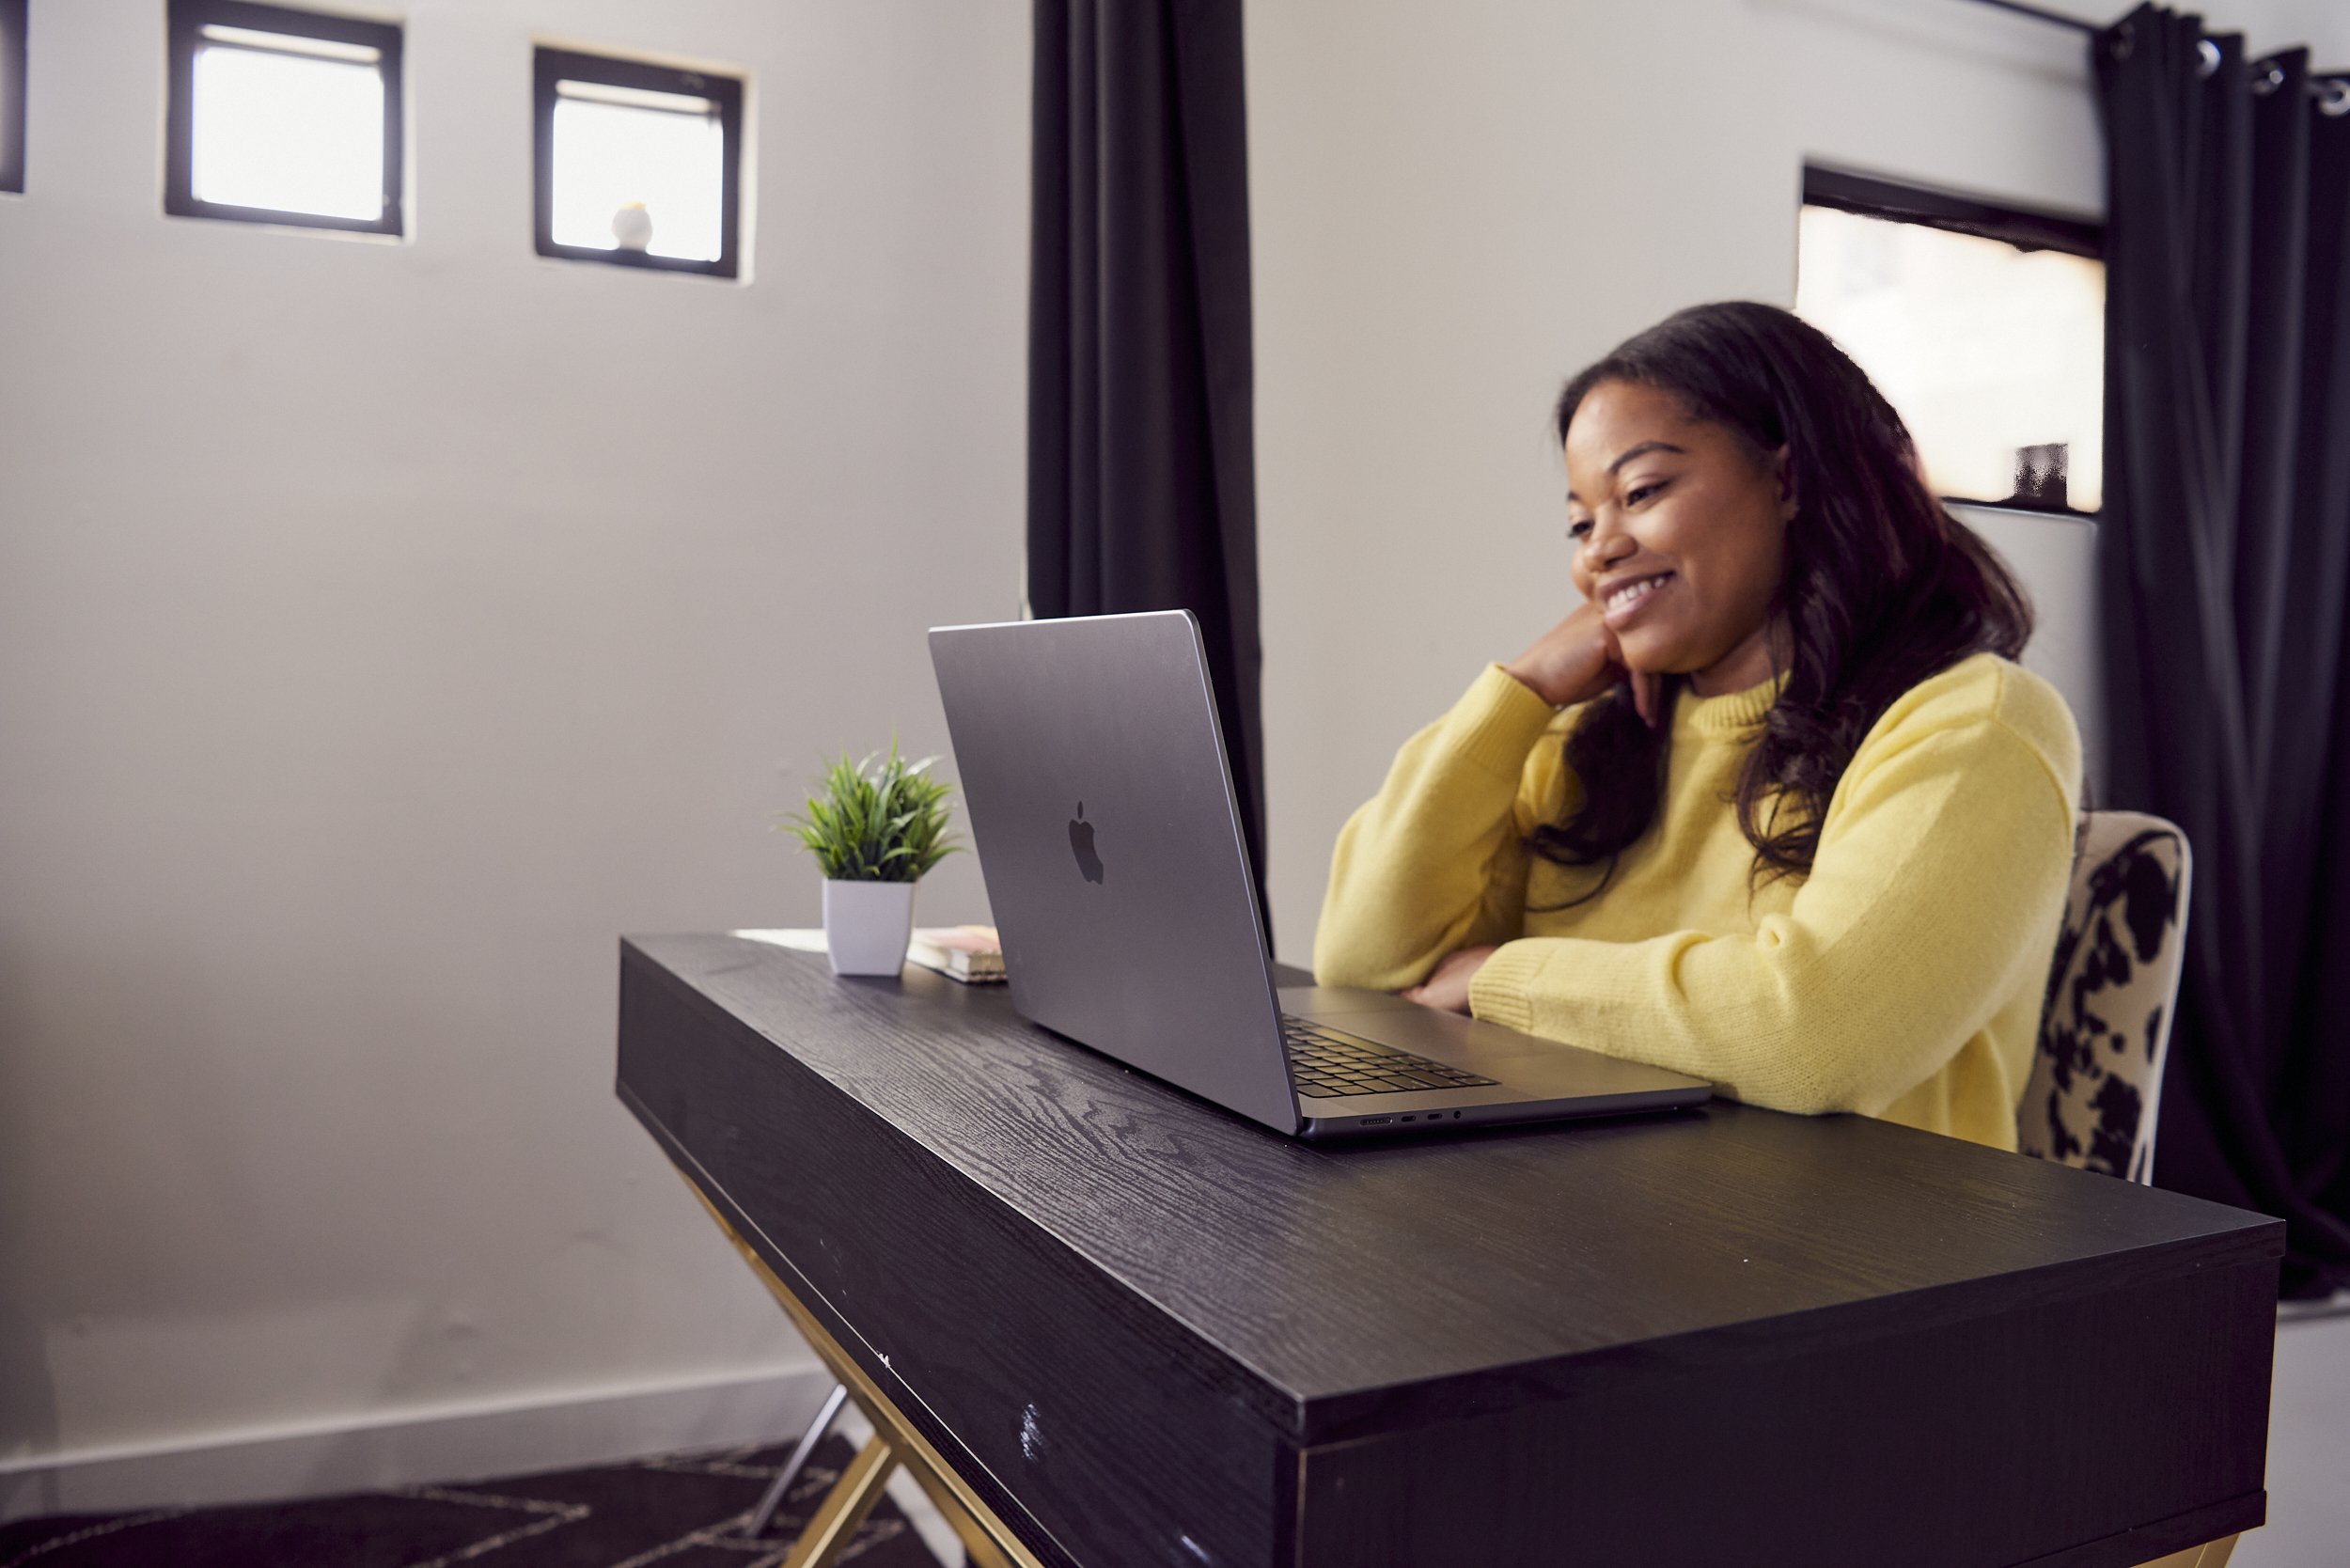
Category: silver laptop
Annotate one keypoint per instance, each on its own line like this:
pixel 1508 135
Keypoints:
pixel 1102 808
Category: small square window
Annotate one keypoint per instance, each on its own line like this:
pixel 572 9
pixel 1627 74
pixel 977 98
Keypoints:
pixel 639 165
pixel 283 117
pixel 1983 326
pixel 12 95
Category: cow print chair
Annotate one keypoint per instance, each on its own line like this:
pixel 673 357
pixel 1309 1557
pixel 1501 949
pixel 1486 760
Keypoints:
pixel 2096 1080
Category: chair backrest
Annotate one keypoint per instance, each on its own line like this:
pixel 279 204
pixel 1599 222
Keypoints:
pixel 2096 1080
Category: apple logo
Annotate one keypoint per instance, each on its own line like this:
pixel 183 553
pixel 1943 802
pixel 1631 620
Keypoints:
pixel 1081 840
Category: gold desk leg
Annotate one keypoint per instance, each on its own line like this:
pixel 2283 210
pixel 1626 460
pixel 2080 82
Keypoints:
pixel 985 1538
pixel 844 1507
pixel 2211 1554
pixel 978 1546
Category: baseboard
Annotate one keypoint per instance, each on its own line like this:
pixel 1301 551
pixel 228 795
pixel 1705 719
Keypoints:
pixel 413 1447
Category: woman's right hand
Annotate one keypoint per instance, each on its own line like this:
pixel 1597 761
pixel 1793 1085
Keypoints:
pixel 1578 660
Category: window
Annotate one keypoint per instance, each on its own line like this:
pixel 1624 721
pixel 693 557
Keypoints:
pixel 639 165
pixel 283 117
pixel 1984 325
pixel 12 95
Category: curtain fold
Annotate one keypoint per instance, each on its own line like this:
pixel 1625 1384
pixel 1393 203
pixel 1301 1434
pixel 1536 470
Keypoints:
pixel 2224 574
pixel 1141 476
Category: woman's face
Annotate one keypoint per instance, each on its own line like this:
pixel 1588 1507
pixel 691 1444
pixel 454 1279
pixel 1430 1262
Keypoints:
pixel 1682 535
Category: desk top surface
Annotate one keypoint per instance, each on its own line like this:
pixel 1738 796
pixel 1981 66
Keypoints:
pixel 1341 1274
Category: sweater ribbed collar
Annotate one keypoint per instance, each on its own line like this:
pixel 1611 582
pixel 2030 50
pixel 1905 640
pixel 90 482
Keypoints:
pixel 1730 716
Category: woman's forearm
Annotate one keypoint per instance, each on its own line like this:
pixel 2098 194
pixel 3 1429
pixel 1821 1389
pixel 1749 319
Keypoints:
pixel 1432 863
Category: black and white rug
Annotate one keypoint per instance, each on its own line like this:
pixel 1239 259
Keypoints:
pixel 680 1511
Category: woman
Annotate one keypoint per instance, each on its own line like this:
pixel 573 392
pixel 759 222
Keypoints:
pixel 1773 807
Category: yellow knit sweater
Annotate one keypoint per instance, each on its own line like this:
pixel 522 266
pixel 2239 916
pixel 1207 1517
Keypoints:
pixel 1902 978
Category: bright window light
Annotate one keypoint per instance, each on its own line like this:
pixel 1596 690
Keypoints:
pixel 638 164
pixel 638 171
pixel 288 124
pixel 1992 355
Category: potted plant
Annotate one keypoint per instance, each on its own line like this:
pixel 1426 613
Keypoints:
pixel 875 828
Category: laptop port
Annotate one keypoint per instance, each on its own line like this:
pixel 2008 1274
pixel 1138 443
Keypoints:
pixel 1376 1120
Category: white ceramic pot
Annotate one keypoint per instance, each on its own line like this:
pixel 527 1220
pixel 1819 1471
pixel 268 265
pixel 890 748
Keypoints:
pixel 867 926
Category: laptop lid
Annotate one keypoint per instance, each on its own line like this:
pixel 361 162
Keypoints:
pixel 1094 774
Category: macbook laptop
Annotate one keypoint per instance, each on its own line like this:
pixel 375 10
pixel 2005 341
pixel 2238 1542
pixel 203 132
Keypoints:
pixel 1102 808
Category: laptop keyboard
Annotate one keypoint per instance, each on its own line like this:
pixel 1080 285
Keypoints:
pixel 1325 1063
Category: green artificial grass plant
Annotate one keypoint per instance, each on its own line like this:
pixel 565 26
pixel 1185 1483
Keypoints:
pixel 882 820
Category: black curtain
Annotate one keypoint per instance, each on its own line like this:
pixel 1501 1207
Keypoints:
pixel 2225 552
pixel 1141 469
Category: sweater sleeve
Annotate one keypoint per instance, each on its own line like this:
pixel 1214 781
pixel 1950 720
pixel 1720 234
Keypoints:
pixel 1432 861
pixel 1934 893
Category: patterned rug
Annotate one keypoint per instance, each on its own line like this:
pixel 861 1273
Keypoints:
pixel 681 1511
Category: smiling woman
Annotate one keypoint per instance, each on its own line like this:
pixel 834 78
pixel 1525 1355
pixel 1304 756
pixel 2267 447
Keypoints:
pixel 1771 805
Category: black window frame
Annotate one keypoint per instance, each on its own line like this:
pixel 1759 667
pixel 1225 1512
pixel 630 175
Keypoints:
pixel 188 19
pixel 12 81
pixel 2025 227
pixel 549 65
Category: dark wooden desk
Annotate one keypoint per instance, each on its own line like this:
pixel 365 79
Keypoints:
pixel 1144 1330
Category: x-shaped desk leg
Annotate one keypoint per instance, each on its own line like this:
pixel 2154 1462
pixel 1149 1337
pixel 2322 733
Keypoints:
pixel 986 1541
pixel 845 1506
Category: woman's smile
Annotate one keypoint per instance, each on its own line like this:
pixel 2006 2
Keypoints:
pixel 1625 601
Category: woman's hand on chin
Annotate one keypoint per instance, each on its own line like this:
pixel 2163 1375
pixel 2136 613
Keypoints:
pixel 1446 989
pixel 1578 660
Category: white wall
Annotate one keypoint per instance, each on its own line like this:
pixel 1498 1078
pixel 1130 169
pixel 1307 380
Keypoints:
pixel 385 629
pixel 2055 558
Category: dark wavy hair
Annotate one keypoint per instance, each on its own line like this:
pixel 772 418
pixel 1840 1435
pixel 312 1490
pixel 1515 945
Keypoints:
pixel 1883 587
